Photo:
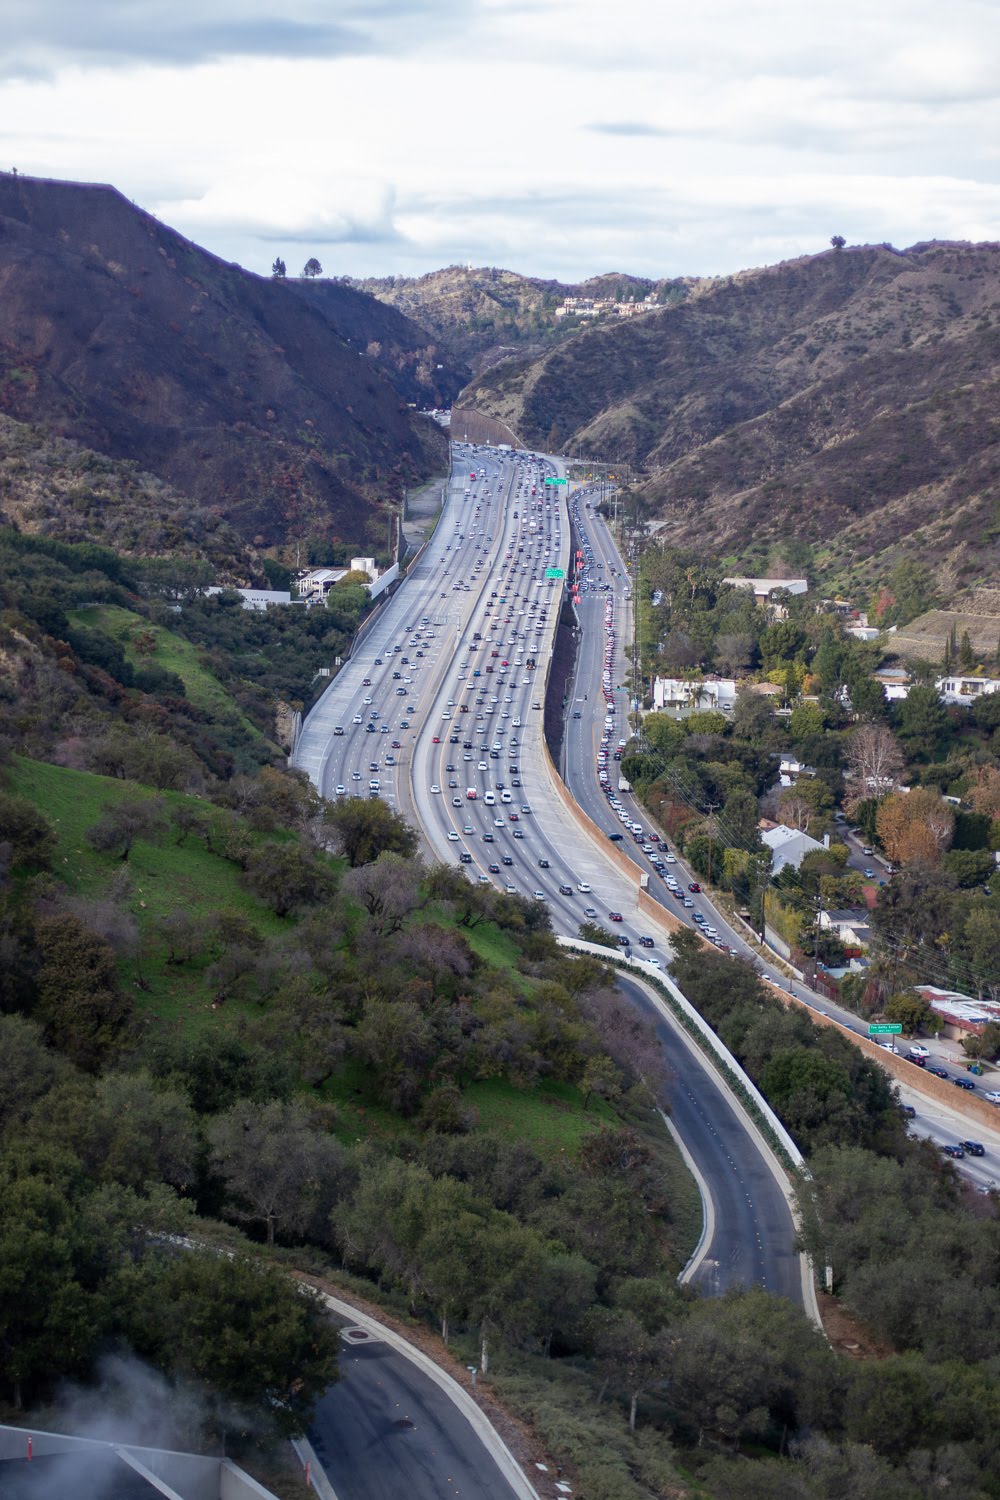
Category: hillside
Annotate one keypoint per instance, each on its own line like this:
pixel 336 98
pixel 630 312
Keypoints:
pixel 239 392
pixel 846 399
pixel 486 315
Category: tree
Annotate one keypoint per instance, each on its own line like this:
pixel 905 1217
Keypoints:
pixel 287 876
pixel 80 1004
pixel 593 932
pixel 966 655
pixel 124 823
pixel 388 889
pixel 625 1354
pixel 278 269
pixel 245 1331
pixel 368 829
pixel 601 1077
pixel 27 832
pixel 398 1040
pixel 921 722
pixel 911 1010
pixel 874 762
pixel 276 1166
pixel 984 789
pixel 837 241
pixel 916 827
pixel 312 268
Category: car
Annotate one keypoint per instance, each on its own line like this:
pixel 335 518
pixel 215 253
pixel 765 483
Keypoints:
pixel 646 942
pixel 484 880
pixel 465 857
pixel 993 1095
pixel 869 874
pixel 955 1152
pixel 565 890
pixel 357 719
pixel 694 886
pixel 614 916
pixel 590 911
pixel 964 1083
pixel 583 887
pixel 453 837
pixel 543 864
pixel 539 895
pixel 616 838
pixel 436 790
pixel 622 940
pixel 973 1148
pixel 494 869
pixel 517 834
pixel 506 860
pixel 918 1051
pixel 456 801
pixel 907 1111
pixel 488 838
pixel 938 1072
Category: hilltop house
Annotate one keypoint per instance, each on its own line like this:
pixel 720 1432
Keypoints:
pixel 676 694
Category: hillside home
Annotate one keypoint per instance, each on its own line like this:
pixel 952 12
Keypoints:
pixel 766 590
pixel 894 681
pixel 853 928
pixel 961 1014
pixel 788 846
pixel 965 690
pixel 316 583
pixel 681 694
pixel 258 599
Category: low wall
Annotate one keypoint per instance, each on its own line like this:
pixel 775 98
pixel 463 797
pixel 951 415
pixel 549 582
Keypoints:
pixel 586 824
pixel 385 579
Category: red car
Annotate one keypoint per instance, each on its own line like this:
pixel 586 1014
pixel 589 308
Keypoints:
pixel 614 916
pixel 694 886
pixel 437 740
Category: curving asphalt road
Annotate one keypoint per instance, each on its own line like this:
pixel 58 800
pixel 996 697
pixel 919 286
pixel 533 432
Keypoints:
pixel 385 1431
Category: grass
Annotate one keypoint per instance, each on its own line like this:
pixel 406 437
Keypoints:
pixel 165 878
pixel 172 653
pixel 550 1118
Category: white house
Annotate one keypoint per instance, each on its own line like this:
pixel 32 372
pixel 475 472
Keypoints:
pixel 965 690
pixel 763 588
pixel 681 693
pixel 316 583
pixel 789 847
pixel 853 928
pixel 258 598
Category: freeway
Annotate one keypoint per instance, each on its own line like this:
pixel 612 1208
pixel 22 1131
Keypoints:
pixel 753 1236
pixel 582 767
pixel 469 635
pixel 385 1430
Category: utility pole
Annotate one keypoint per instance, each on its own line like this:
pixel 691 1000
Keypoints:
pixel 710 808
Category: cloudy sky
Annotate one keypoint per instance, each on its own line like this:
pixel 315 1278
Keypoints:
pixel 555 137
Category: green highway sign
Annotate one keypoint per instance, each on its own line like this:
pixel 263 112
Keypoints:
pixel 556 481
pixel 884 1028
pixel 555 572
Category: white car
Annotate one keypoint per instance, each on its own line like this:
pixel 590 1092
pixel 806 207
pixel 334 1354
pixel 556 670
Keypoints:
pixel 993 1096
pixel 583 886
pixel 453 837
pixel 436 789
pixel 356 719
pixel 668 859
pixel 340 789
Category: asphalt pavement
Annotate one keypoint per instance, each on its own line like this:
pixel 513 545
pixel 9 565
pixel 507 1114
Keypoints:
pixel 752 1240
pixel 385 1430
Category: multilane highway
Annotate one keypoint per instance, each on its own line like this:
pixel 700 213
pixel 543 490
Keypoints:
pixel 460 637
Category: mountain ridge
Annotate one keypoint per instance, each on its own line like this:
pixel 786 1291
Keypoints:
pixel 240 392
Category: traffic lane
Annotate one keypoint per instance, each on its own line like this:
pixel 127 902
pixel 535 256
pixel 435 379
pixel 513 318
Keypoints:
pixel 754 1238
pixel 386 1430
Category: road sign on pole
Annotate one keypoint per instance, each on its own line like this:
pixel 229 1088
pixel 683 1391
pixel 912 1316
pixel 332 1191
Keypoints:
pixel 555 481
pixel 884 1028
pixel 555 572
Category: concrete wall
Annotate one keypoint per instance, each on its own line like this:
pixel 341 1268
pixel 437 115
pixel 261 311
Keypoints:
pixel 190 1475
pixel 389 576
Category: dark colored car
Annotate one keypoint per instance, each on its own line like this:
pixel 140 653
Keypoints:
pixel 963 1083
pixel 954 1151
pixel 907 1111
pixel 622 941
pixel 543 864
pixel 938 1072
pixel 646 942
pixel 974 1148
pixel 694 886
pixel 614 916
pixel 506 860
pixel 465 858
pixel 615 838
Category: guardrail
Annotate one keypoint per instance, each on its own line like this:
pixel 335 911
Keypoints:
pixel 718 1053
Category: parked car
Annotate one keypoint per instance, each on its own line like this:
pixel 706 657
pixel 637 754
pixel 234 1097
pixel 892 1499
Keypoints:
pixel 973 1148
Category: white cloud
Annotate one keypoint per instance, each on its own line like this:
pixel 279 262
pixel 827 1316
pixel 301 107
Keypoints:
pixel 552 136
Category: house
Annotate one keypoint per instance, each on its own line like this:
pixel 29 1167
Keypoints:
pixel 764 588
pixel 965 690
pixel 790 769
pixel 692 695
pixel 895 682
pixel 961 1014
pixel 851 927
pixel 258 599
pixel 789 847
pixel 316 583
